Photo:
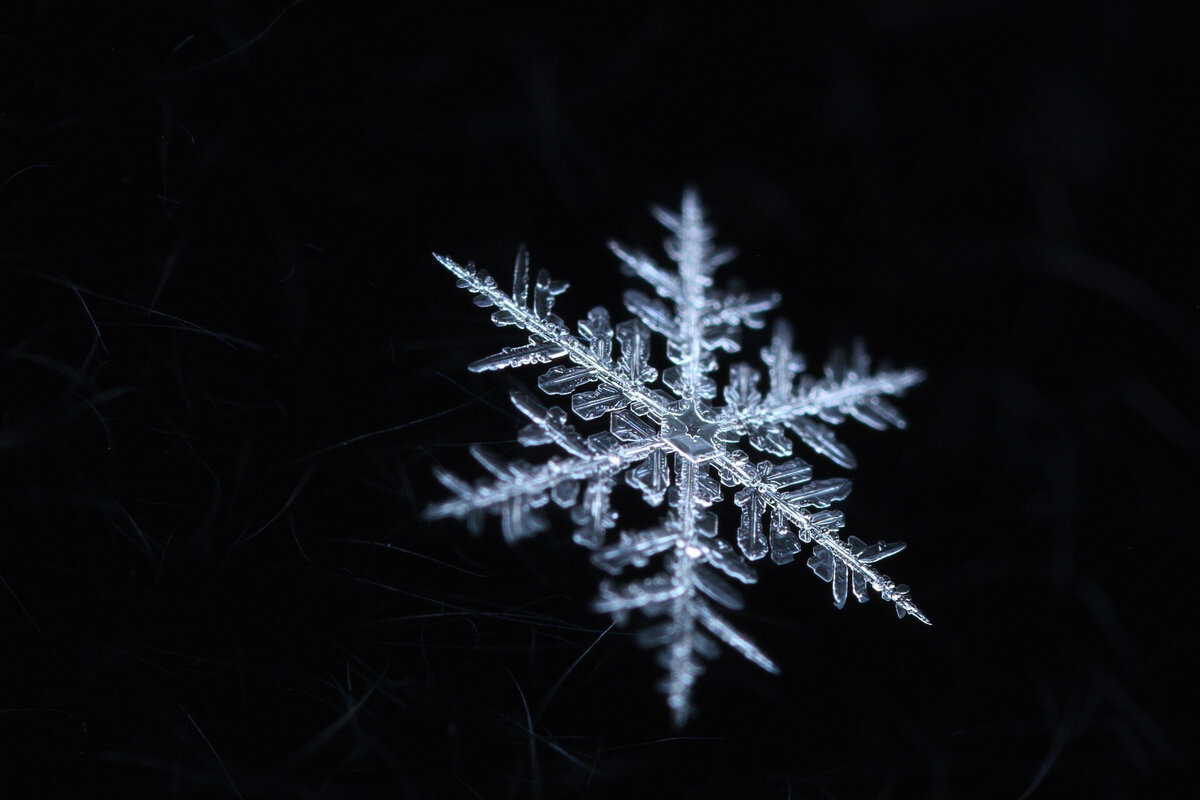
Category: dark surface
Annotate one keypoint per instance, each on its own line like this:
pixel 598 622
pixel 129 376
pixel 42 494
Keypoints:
pixel 230 364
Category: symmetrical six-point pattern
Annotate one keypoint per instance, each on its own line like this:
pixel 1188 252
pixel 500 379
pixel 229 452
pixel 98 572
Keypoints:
pixel 670 441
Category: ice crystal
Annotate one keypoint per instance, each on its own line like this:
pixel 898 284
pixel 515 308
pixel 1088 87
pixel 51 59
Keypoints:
pixel 669 438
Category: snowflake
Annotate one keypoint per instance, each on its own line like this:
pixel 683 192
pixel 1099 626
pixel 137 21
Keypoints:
pixel 670 442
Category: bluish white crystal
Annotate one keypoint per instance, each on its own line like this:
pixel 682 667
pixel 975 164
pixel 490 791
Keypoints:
pixel 669 441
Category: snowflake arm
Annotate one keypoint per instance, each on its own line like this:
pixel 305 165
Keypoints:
pixel 549 338
pixel 667 443
pixel 842 391
pixel 519 489
pixel 695 556
pixel 834 561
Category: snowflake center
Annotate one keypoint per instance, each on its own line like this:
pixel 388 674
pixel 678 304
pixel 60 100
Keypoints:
pixel 691 435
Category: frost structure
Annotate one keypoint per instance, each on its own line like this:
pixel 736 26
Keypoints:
pixel 668 443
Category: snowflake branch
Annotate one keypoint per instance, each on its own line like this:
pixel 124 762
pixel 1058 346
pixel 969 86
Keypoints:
pixel 690 253
pixel 534 481
pixel 843 396
pixel 553 332
pixel 821 532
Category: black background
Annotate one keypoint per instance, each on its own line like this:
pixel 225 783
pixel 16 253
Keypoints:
pixel 230 364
